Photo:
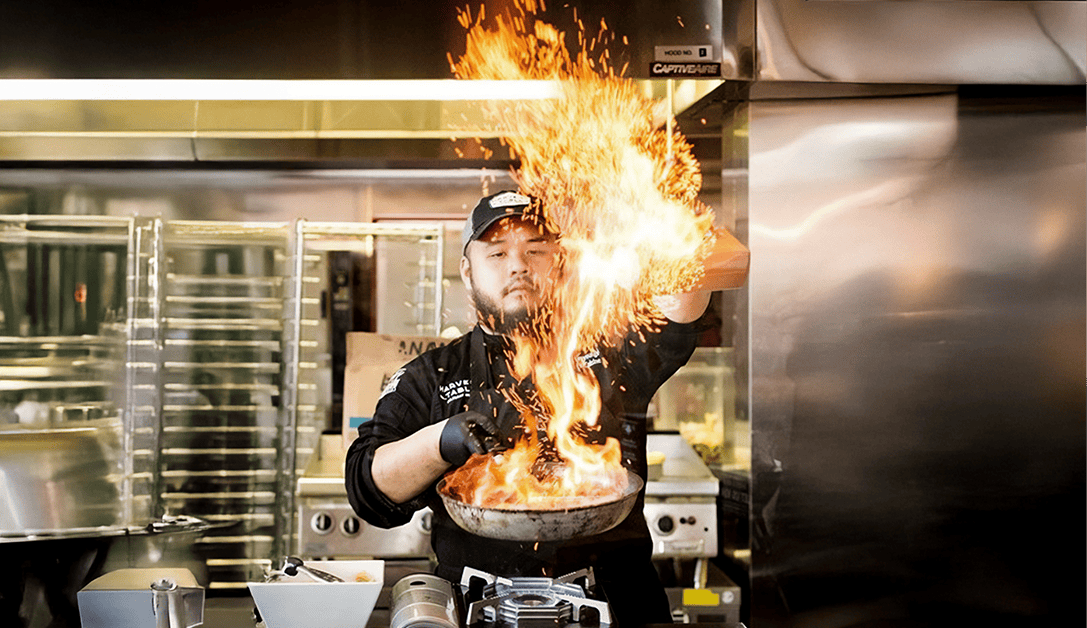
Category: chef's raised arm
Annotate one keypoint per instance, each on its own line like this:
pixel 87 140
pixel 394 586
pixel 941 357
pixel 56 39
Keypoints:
pixel 686 307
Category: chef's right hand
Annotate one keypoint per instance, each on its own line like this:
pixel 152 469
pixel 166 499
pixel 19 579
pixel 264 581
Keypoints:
pixel 467 433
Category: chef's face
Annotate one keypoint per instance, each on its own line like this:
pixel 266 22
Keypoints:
pixel 509 271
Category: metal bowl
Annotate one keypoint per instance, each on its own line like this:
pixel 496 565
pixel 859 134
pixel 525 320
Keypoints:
pixel 542 525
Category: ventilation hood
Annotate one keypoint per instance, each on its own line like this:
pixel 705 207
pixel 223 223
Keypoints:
pixel 755 48
pixel 383 123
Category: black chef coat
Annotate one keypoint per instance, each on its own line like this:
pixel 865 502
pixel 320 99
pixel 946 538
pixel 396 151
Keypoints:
pixel 447 380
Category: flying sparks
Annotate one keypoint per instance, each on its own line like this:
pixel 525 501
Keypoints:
pixel 621 189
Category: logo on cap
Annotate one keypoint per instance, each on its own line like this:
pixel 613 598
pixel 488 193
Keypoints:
pixel 509 199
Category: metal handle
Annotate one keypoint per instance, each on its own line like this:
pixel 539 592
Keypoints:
pixel 167 604
pixel 294 564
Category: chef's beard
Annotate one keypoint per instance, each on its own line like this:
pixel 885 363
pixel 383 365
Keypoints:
pixel 521 319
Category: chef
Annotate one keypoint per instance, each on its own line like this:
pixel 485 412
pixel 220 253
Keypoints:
pixel 448 403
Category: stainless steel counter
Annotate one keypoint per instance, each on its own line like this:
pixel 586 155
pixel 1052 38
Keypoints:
pixel 237 612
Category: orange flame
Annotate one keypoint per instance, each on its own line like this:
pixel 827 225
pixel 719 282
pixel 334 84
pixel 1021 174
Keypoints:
pixel 622 193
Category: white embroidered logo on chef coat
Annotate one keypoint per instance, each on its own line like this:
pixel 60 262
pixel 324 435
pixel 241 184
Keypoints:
pixel 454 390
pixel 590 359
pixel 393 382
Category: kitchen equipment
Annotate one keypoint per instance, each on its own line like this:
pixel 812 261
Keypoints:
pixel 542 525
pixel 45 569
pixel 246 371
pixel 60 479
pixel 680 510
pixel 530 601
pixel 293 565
pixel 423 601
pixel 407 272
pixel 681 507
pixel 66 461
pixel 699 401
pixel 222 440
pixel 300 602
pixel 717 603
pixel 329 528
pixel 654 461
pixel 141 598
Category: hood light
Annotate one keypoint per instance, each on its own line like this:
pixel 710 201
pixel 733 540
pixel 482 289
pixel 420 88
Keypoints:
pixel 295 90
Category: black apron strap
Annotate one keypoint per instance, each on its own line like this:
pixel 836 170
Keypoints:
pixel 485 396
pixel 479 364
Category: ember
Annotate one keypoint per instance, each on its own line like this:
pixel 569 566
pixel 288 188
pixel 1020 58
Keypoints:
pixel 621 189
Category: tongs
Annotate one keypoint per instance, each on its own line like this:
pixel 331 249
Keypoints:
pixel 292 565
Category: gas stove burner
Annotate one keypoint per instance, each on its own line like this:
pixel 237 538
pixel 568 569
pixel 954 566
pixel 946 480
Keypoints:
pixel 533 608
pixel 528 602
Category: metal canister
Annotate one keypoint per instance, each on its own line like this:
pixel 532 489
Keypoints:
pixel 423 601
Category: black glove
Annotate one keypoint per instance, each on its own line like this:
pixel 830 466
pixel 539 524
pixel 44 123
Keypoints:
pixel 465 434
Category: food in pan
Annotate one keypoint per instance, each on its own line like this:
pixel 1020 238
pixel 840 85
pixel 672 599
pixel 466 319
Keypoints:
pixel 502 480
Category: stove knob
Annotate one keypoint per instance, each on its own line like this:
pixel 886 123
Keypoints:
pixel 321 523
pixel 666 524
pixel 351 526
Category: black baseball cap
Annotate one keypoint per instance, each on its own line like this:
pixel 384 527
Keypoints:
pixel 490 210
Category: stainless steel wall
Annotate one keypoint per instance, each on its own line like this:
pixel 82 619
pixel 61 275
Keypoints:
pixel 917 304
pixel 917 41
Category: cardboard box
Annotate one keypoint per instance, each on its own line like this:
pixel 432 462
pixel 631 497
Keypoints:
pixel 372 359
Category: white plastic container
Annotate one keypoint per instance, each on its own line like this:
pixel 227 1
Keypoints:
pixel 301 602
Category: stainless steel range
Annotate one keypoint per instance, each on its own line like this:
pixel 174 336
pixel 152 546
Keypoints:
pixel 329 528
pixel 681 505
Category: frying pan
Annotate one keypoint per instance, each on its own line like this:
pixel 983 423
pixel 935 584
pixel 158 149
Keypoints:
pixel 542 525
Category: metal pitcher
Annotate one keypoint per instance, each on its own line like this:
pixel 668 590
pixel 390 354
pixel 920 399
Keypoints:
pixel 139 598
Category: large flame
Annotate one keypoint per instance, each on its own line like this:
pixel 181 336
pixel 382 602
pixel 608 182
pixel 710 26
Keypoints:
pixel 621 189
